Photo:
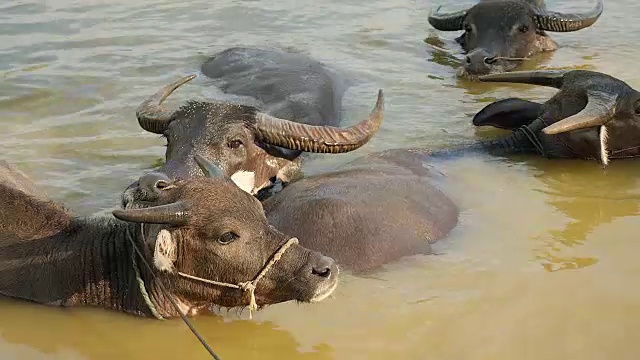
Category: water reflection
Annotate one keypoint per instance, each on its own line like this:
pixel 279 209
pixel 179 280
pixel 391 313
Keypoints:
pixel 588 197
pixel 73 73
pixel 89 333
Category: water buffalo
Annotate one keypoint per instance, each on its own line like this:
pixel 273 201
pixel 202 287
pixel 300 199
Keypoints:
pixel 593 116
pixel 193 236
pixel 299 104
pixel 498 34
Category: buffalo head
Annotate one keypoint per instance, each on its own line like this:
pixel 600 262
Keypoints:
pixel 593 116
pixel 209 228
pixel 250 147
pixel 498 34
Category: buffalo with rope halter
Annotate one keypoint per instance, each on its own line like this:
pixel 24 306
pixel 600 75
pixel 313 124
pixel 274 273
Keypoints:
pixel 593 116
pixel 500 34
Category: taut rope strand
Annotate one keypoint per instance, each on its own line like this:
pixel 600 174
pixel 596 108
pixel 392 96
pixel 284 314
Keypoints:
pixel 249 286
pixel 510 58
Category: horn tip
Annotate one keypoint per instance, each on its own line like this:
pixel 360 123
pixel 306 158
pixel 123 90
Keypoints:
pixel 552 130
pixel 202 163
pixel 379 101
pixel 186 79
pixel 208 168
pixel 119 214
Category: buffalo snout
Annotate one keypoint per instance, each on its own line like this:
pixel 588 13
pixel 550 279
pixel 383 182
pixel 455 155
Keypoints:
pixel 146 189
pixel 154 181
pixel 323 266
pixel 321 273
pixel 480 62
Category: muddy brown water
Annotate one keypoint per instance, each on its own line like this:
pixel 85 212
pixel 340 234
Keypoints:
pixel 544 261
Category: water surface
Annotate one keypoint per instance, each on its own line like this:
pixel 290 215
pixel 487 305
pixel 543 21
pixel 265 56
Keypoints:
pixel 543 264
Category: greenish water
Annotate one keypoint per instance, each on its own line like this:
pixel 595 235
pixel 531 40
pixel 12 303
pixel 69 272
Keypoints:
pixel 543 264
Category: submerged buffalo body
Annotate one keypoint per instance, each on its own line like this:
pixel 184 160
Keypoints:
pixel 369 212
pixel 499 34
pixel 192 236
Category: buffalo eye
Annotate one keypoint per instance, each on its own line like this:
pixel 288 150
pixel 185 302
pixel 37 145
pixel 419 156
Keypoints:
pixel 523 29
pixel 637 107
pixel 234 144
pixel 467 28
pixel 227 238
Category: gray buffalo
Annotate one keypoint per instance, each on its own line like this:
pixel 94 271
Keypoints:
pixel 192 236
pixel 299 104
pixel 499 34
pixel 593 116
pixel 369 212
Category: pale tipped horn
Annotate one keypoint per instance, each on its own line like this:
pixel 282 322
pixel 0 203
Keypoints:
pixel 319 139
pixel 208 168
pixel 447 21
pixel 559 22
pixel 151 115
pixel 172 214
pixel 551 78
pixel 598 111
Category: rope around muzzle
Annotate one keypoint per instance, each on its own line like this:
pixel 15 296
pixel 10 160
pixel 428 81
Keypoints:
pixel 249 286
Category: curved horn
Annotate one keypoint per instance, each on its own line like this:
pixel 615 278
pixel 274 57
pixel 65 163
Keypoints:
pixel 598 111
pixel 448 21
pixel 208 168
pixel 552 78
pixel 559 22
pixel 151 115
pixel 172 214
pixel 319 139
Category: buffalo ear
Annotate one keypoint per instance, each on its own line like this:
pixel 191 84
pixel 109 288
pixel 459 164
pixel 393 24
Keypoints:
pixel 165 252
pixel 508 114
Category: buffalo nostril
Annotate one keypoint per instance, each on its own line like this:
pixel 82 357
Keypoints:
pixel 161 184
pixel 154 181
pixel 489 60
pixel 324 272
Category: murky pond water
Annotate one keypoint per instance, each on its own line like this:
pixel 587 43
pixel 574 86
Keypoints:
pixel 543 264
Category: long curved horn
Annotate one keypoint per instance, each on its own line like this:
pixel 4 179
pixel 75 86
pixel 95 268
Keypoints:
pixel 552 78
pixel 208 168
pixel 319 139
pixel 447 21
pixel 559 22
pixel 598 111
pixel 172 214
pixel 151 115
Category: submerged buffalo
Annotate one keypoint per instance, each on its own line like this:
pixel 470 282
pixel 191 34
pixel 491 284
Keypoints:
pixel 499 34
pixel 299 104
pixel 593 116
pixel 200 230
pixel 380 207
